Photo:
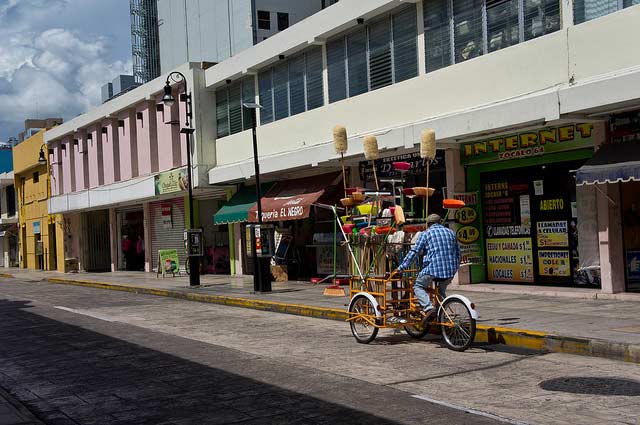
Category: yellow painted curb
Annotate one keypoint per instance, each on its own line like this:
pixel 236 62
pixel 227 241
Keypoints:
pixel 520 338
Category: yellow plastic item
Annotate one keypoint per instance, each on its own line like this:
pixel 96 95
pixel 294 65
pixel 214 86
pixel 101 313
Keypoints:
pixel 367 209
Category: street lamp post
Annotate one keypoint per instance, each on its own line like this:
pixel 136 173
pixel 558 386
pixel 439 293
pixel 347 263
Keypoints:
pixel 187 130
pixel 260 284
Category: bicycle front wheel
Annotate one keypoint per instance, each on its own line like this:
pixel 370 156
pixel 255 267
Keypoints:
pixel 361 327
pixel 458 327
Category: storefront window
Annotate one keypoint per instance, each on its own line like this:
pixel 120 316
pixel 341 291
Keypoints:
pixel 631 232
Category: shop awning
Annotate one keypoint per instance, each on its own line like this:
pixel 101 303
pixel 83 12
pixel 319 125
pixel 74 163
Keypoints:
pixel 236 210
pixel 616 162
pixel 292 199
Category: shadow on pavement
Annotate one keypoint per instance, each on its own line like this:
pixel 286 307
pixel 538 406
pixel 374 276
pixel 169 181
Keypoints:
pixel 67 374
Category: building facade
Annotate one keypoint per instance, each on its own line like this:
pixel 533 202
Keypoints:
pixel 520 94
pixel 120 177
pixel 41 235
pixel 212 31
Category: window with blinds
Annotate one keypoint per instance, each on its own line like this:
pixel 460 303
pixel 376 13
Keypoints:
pixel 459 30
pixel 313 73
pixel 336 69
pixel 437 34
pixel 586 10
pixel 231 117
pixel 381 53
pixel 405 44
pixel 266 97
pixel 292 86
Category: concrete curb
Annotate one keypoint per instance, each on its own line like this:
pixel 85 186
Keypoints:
pixel 519 338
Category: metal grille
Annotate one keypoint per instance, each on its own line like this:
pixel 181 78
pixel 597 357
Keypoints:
pixel 96 243
pixel 144 40
pixel 165 236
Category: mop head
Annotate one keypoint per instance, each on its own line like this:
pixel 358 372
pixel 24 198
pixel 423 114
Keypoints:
pixel 428 144
pixel 371 148
pixel 340 138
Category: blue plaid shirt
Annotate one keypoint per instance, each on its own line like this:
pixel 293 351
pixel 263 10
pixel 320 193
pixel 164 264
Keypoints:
pixel 442 253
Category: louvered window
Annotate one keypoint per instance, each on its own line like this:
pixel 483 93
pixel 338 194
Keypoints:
pixel 380 67
pixel 235 109
pixel 313 69
pixel 357 62
pixel 467 29
pixel 586 10
pixel 222 113
pixel 437 34
pixel 280 91
pixel 296 85
pixel 470 28
pixel 291 86
pixel 336 68
pixel 248 96
pixel 405 44
pixel 266 96
pixel 503 29
pixel 231 117
pixel 541 17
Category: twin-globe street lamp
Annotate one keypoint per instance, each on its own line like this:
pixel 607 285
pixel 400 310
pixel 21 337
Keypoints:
pixel 187 130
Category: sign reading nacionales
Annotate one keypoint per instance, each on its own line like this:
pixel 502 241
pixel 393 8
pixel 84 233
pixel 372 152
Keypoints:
pixel 529 143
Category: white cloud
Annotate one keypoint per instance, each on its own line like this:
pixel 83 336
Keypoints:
pixel 49 70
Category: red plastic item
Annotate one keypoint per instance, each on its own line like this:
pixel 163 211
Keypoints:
pixel 348 228
pixel 452 204
pixel 315 280
pixel 408 191
pixel 351 190
pixel 341 282
pixel 401 166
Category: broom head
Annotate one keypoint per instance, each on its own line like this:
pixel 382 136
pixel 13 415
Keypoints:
pixel 428 144
pixel 371 148
pixel 334 291
pixel 340 138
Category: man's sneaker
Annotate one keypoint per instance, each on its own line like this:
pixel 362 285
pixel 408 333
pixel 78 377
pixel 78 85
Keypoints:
pixel 427 314
pixel 393 320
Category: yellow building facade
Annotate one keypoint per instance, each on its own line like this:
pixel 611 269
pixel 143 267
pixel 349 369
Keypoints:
pixel 41 233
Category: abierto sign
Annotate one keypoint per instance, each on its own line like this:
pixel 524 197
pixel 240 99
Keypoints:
pixel 529 143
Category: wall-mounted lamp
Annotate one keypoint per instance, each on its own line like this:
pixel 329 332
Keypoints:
pixel 281 57
pixel 75 142
pixel 121 123
pixel 227 81
pixel 104 130
pixel 139 115
pixel 160 106
pixel 63 147
pixel 90 136
pixel 360 21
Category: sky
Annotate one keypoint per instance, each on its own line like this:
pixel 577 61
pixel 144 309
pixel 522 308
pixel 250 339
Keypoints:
pixel 55 55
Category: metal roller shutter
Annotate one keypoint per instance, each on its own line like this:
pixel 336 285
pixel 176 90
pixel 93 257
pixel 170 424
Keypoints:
pixel 168 238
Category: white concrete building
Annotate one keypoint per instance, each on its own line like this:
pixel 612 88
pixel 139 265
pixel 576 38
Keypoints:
pixel 489 78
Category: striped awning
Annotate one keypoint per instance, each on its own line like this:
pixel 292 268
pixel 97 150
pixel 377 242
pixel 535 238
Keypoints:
pixel 236 210
pixel 612 163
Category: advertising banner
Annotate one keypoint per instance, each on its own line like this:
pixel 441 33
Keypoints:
pixel 171 181
pixel 168 262
pixel 553 234
pixel 467 228
pixel 510 260
pixel 554 263
pixel 527 144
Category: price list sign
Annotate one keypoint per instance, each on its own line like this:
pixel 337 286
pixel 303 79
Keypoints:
pixel 510 260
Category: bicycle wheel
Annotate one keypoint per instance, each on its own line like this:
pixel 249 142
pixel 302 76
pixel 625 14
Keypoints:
pixel 363 331
pixel 458 327
pixel 418 331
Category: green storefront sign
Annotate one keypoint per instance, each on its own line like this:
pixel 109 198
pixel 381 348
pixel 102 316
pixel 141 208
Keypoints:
pixel 528 144
pixel 171 181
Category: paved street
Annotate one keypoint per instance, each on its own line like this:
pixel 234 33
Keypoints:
pixel 77 355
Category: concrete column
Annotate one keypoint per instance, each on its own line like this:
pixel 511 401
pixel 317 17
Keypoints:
pixel 325 75
pixel 566 13
pixel 612 273
pixel 237 240
pixel 148 255
pixel 113 236
pixel 456 183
